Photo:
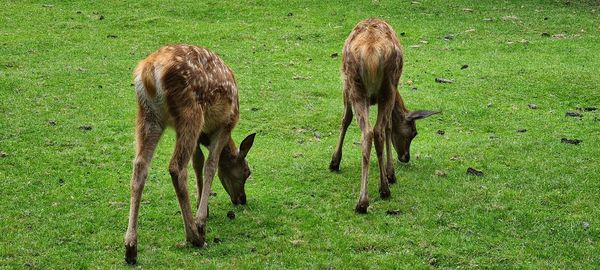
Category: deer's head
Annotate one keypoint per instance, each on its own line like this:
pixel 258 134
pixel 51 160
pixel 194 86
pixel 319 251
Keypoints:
pixel 404 131
pixel 234 170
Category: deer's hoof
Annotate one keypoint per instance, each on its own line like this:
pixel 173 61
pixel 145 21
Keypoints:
pixel 384 193
pixel 199 242
pixel 334 166
pixel 361 207
pixel 391 177
pixel 131 254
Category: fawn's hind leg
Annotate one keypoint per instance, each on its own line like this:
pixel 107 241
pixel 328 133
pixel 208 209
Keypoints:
pixel 337 155
pixel 361 108
pixel 148 132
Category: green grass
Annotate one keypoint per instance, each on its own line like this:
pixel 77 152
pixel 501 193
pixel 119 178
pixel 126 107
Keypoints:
pixel 64 192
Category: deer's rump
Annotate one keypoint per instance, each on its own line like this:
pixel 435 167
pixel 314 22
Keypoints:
pixel 373 56
pixel 182 76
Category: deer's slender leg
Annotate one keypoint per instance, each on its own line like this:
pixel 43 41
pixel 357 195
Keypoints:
pixel 218 141
pixel 198 164
pixel 346 120
pixel 391 175
pixel 361 109
pixel 187 132
pixel 384 111
pixel 148 134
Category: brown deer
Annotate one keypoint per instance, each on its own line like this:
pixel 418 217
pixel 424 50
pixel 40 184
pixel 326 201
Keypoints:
pixel 192 90
pixel 372 65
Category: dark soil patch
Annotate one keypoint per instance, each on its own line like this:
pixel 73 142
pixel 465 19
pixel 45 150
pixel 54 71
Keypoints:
pixel 393 212
pixel 442 80
pixel 587 109
pixel 474 172
pixel 570 141
pixel 85 127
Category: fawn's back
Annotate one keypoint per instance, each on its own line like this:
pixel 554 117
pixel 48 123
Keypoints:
pixel 180 80
pixel 372 56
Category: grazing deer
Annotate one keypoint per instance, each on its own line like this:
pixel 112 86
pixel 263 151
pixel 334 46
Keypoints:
pixel 372 64
pixel 192 90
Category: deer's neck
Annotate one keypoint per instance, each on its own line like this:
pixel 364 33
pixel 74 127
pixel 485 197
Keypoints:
pixel 229 152
pixel 399 110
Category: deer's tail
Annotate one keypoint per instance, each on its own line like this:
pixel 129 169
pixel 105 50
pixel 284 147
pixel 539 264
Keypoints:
pixel 372 59
pixel 144 79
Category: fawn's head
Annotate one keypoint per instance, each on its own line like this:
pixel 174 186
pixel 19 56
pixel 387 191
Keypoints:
pixel 404 131
pixel 234 170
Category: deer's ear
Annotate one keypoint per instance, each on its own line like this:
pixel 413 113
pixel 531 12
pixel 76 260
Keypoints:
pixel 246 145
pixel 416 115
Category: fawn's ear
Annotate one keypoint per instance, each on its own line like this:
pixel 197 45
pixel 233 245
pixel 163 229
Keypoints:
pixel 246 145
pixel 416 115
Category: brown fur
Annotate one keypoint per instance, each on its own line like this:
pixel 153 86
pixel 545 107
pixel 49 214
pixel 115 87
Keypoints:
pixel 147 72
pixel 372 65
pixel 190 89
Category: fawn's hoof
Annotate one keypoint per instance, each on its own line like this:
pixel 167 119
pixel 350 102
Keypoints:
pixel 202 233
pixel 131 254
pixel 384 193
pixel 198 243
pixel 361 208
pixel 391 177
pixel 334 166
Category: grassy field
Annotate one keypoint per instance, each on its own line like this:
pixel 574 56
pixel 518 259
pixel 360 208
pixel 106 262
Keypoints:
pixel 65 67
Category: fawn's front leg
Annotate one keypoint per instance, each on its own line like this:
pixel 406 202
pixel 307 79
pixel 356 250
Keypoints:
pixel 198 164
pixel 187 132
pixel 218 141
pixel 391 175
